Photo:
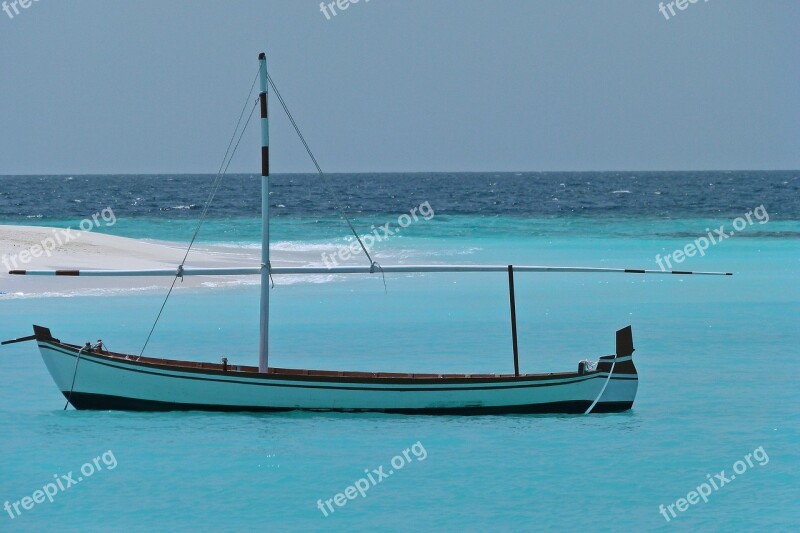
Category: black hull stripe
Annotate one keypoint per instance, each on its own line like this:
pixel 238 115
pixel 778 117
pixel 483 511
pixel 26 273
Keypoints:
pixel 102 402
pixel 87 359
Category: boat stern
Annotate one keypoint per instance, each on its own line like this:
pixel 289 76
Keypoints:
pixel 623 382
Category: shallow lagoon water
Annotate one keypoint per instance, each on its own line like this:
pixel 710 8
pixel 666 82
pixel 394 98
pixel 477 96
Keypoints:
pixel 717 359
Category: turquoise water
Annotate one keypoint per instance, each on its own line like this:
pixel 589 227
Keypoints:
pixel 718 379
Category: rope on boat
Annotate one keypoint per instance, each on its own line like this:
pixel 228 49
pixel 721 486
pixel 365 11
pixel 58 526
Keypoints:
pixel 75 374
pixel 613 362
pixel 223 169
pixel 339 206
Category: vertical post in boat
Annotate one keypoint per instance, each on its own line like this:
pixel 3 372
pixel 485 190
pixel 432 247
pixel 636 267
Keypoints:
pixel 263 343
pixel 513 318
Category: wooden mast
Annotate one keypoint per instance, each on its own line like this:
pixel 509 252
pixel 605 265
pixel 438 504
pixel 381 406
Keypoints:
pixel 263 343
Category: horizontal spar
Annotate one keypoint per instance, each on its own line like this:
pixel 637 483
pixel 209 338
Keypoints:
pixel 244 271
pixel 238 271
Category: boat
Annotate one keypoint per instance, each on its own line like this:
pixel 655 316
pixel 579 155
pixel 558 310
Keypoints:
pixel 93 378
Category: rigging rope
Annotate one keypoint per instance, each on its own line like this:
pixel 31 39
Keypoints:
pixel 75 374
pixel 611 371
pixel 373 264
pixel 221 172
pixel 223 169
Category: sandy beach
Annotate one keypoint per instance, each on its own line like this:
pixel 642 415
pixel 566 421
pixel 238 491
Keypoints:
pixel 38 247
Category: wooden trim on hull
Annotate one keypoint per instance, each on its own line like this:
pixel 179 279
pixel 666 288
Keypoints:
pixel 102 402
pixel 297 380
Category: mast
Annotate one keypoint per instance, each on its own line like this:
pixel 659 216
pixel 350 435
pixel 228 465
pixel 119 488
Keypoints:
pixel 263 342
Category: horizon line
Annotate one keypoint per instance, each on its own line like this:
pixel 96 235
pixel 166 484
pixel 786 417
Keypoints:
pixel 311 173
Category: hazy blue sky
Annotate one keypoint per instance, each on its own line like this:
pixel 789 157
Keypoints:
pixel 113 86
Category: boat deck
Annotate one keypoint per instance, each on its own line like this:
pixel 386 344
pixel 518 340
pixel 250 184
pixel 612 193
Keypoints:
pixel 245 369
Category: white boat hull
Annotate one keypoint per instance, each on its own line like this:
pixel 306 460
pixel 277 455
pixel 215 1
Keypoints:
pixel 113 382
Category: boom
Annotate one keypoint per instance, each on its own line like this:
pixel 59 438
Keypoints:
pixel 277 271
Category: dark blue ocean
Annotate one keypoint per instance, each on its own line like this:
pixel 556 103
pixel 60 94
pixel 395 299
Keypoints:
pixel 305 206
pixel 717 356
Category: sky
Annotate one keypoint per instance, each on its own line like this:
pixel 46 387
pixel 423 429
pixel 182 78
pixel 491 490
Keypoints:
pixel 116 87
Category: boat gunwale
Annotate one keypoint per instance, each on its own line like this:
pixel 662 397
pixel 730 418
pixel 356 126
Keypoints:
pixel 332 376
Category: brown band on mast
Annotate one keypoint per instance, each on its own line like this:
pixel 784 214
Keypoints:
pixel 265 160
pixel 263 99
pixel 68 273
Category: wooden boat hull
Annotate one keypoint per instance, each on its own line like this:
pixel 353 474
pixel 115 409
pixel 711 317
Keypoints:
pixel 107 381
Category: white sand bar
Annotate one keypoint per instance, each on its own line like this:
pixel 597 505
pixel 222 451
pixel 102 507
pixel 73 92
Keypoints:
pixel 37 247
